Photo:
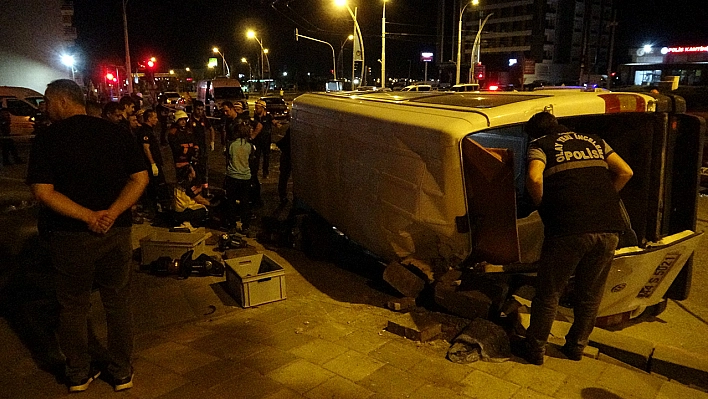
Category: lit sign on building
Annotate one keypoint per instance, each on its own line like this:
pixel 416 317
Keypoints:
pixel 694 49
pixel 426 57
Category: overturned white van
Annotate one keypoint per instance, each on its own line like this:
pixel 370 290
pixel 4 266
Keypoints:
pixel 440 177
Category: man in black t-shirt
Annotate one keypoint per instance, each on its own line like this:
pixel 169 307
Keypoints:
pixel 204 137
pixel 574 180
pixel 88 172
pixel 153 158
pixel 263 133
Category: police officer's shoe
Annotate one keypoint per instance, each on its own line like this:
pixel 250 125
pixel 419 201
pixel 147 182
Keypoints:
pixel 526 351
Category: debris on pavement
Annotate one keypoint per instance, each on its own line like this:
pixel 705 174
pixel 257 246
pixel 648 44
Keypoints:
pixel 480 340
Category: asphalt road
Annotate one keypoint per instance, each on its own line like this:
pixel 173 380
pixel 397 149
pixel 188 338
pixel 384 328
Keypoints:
pixel 684 324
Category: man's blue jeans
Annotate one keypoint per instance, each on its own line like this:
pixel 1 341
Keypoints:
pixel 588 257
pixel 83 260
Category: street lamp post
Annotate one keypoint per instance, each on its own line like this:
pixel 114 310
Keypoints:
pixel 359 37
pixel 252 35
pixel 69 61
pixel 250 72
pixel 224 67
pixel 477 46
pixel 383 46
pixel 128 72
pixel 334 60
pixel 459 38
pixel 340 60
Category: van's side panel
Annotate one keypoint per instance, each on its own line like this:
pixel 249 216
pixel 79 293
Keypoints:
pixel 386 180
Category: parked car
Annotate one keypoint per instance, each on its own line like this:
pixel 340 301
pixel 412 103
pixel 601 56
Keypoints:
pixel 21 115
pixel 465 87
pixel 277 107
pixel 171 97
pixel 23 93
pixel 418 88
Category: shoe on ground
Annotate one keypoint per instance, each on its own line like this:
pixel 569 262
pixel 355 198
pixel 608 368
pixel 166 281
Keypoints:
pixel 84 384
pixel 572 352
pixel 523 349
pixel 120 384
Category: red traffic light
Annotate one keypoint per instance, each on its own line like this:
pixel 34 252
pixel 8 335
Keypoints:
pixel 109 76
pixel 151 64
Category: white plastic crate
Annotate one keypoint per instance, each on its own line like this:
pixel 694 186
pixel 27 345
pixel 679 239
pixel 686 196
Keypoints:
pixel 255 279
pixel 174 245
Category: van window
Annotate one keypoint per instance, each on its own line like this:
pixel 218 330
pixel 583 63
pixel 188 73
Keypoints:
pixel 514 139
pixel 228 93
pixel 19 107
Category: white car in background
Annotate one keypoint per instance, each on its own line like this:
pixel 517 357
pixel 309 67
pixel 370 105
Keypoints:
pixel 21 115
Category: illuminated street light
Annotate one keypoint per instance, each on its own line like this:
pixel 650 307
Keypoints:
pixel 459 38
pixel 172 71
pixel 225 67
pixel 339 57
pixel 187 69
pixel 252 35
pixel 69 61
pixel 250 72
pixel 359 39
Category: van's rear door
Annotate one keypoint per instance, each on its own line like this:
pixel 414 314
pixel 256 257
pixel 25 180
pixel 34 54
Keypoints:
pixel 491 202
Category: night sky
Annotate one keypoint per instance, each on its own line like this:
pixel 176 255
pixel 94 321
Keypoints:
pixel 181 33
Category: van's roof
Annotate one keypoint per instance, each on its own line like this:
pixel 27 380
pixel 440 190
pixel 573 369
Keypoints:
pixel 499 108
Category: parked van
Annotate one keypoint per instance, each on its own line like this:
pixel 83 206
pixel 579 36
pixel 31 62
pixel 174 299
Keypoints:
pixel 440 177
pixel 215 91
pixel 465 87
pixel 417 88
pixel 22 115
pixel 23 93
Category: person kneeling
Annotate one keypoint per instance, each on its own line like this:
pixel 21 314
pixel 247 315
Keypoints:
pixel 190 207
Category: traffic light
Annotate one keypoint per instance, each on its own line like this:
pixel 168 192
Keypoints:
pixel 480 71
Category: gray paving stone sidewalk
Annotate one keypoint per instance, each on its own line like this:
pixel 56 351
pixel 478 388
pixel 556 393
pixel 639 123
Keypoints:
pixel 326 340
pixel 323 341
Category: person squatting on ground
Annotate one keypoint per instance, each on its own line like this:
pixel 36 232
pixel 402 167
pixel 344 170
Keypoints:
pixel 185 151
pixel 6 142
pixel 190 207
pixel 87 173
pixel 574 180
pixel 237 180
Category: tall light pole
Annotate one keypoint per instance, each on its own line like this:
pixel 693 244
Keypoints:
pixel 128 72
pixel 359 37
pixel 69 61
pixel 224 67
pixel 383 46
pixel 334 60
pixel 459 38
pixel 250 72
pixel 252 35
pixel 340 60
pixel 477 46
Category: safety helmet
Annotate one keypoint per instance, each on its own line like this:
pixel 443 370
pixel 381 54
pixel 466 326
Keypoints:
pixel 261 103
pixel 180 114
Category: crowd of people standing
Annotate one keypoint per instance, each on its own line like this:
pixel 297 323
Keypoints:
pixel 191 139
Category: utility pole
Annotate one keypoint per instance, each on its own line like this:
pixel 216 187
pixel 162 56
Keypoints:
pixel 613 25
pixel 128 73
